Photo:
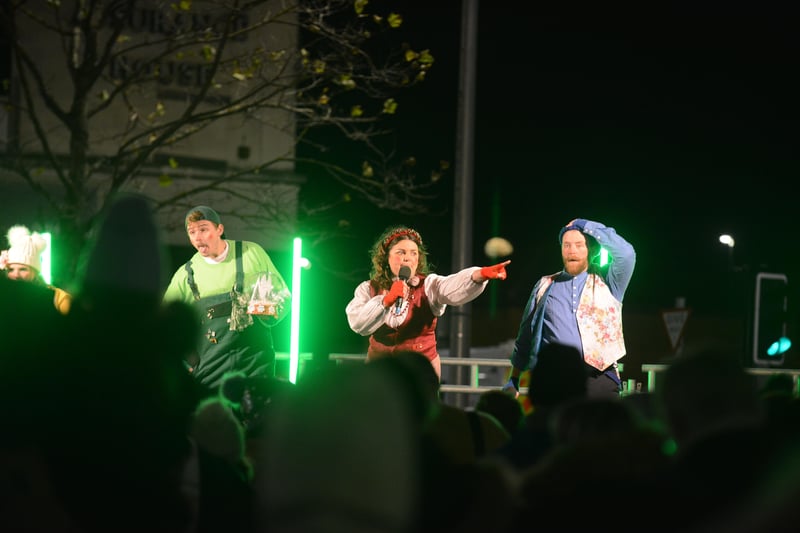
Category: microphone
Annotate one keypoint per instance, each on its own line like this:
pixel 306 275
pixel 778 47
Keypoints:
pixel 404 273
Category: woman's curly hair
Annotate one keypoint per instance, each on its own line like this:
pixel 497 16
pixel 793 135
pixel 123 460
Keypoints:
pixel 381 275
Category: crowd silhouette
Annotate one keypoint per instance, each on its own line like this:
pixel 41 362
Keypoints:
pixel 104 430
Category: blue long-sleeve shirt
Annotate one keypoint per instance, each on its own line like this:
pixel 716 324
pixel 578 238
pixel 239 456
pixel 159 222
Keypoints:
pixel 552 318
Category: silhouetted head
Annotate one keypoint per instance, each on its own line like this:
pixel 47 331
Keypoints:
pixel 558 376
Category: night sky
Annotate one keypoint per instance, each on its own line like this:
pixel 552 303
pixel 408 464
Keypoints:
pixel 670 128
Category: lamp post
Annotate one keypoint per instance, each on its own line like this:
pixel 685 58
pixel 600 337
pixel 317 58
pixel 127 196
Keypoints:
pixel 728 241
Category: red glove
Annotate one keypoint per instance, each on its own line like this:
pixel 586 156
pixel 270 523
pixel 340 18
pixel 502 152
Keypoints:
pixel 497 271
pixel 398 290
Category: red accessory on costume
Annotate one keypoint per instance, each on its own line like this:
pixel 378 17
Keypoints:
pixel 407 232
pixel 497 271
pixel 398 290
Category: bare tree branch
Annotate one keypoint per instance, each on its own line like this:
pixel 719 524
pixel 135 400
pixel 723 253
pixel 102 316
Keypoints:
pixel 135 82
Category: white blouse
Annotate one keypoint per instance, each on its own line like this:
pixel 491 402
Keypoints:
pixel 366 313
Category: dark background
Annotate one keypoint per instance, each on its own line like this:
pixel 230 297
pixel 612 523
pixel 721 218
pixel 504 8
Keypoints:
pixel 671 127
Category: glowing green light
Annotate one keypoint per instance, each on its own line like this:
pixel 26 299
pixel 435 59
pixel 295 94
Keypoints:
pixel 47 259
pixel 603 257
pixel 294 336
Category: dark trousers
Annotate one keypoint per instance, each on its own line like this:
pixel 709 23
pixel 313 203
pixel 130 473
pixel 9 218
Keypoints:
pixel 600 385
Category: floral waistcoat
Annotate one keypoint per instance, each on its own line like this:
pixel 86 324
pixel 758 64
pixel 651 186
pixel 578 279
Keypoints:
pixel 599 318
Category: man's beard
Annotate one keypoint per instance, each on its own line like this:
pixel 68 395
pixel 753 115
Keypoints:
pixel 573 268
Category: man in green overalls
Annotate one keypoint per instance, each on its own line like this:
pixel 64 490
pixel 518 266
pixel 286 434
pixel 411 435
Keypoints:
pixel 239 294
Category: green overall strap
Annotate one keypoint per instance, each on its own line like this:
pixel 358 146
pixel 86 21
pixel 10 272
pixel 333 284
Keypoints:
pixel 239 267
pixel 190 280
pixel 239 272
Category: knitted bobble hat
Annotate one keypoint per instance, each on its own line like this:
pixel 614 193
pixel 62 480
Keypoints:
pixel 25 248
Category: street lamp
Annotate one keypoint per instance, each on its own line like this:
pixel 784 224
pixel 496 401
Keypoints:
pixel 728 241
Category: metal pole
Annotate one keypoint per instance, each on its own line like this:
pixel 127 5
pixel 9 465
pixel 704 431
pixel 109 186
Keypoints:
pixel 462 204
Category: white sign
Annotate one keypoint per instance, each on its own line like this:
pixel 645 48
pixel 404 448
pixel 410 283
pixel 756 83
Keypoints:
pixel 675 320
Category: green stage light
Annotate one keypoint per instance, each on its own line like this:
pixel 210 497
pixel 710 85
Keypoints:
pixel 47 261
pixel 603 257
pixel 294 337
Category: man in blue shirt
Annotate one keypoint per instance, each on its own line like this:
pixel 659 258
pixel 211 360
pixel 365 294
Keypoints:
pixel 580 306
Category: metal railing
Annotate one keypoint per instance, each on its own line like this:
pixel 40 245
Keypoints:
pixel 474 364
pixel 653 370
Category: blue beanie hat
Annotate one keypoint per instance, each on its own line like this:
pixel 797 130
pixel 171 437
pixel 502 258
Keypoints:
pixel 566 229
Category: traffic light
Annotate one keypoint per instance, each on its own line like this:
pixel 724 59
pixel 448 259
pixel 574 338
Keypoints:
pixel 770 341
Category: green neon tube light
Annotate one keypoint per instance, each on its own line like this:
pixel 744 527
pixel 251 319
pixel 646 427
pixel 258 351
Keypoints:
pixel 294 336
